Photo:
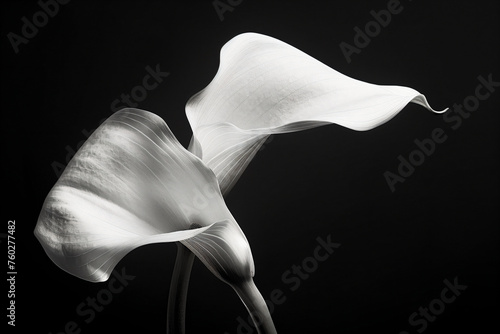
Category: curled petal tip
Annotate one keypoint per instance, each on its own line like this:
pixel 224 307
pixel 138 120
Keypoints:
pixel 421 100
pixel 441 111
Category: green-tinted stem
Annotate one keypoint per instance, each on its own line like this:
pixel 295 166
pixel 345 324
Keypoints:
pixel 176 312
pixel 256 306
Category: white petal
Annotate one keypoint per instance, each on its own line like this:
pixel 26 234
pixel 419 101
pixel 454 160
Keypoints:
pixel 224 250
pixel 130 184
pixel 265 86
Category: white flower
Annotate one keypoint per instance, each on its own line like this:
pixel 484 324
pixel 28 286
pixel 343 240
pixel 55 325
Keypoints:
pixel 265 86
pixel 133 184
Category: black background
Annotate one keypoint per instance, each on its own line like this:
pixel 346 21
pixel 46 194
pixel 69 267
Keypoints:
pixel 397 248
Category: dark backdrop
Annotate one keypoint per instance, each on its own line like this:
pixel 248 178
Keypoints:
pixel 397 247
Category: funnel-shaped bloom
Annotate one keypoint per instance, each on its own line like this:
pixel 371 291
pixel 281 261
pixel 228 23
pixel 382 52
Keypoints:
pixel 132 184
pixel 265 86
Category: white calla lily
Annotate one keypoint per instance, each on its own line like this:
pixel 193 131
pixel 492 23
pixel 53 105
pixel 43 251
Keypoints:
pixel 132 184
pixel 265 86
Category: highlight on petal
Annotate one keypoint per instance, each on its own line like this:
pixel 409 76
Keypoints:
pixel 130 184
pixel 225 251
pixel 265 86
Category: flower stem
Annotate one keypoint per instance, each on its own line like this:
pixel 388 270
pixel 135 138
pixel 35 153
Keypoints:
pixel 256 306
pixel 176 312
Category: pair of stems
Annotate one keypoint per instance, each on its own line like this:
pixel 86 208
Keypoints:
pixel 247 291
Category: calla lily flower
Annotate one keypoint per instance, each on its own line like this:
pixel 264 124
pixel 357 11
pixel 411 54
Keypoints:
pixel 265 86
pixel 133 184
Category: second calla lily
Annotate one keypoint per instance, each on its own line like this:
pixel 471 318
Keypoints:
pixel 265 86
pixel 133 184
